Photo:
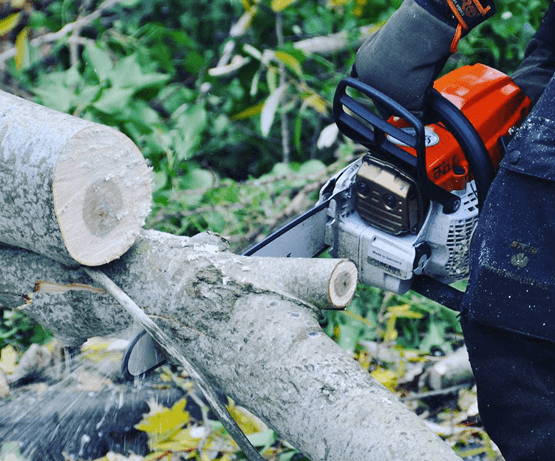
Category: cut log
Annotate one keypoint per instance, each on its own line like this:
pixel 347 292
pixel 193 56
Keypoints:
pixel 70 189
pixel 263 348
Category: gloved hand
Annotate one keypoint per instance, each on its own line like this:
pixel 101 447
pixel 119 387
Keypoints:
pixel 405 56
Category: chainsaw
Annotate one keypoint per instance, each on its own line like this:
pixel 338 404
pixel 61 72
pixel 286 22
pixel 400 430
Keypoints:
pixel 405 211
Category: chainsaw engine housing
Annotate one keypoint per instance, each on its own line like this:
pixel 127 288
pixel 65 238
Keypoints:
pixel 440 249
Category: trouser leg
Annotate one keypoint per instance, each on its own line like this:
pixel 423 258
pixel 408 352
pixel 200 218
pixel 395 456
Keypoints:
pixel 515 377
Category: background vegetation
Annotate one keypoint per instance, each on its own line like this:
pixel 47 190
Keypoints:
pixel 229 101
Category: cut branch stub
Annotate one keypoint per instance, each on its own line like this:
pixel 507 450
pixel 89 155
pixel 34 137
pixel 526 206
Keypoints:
pixel 324 283
pixel 70 189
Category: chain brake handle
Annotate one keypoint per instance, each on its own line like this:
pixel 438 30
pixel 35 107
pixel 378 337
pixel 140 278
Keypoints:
pixel 372 130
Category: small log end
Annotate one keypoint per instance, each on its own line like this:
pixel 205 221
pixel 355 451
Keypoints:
pixel 343 284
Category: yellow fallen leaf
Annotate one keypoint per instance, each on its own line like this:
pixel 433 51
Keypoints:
pixel 248 423
pixel 163 423
pixel 387 377
pixel 183 440
pixel 8 359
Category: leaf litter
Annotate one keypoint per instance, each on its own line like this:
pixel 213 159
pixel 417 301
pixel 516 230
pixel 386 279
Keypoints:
pixel 173 433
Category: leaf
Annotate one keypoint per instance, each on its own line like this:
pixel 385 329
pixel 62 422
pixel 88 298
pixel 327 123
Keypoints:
pixel 317 103
pixel 163 423
pixel 248 423
pixel 181 441
pixel 249 112
pixel 349 335
pixel 358 318
pixel 270 108
pixel 404 311
pixel 327 136
pixel 21 45
pixel 272 79
pixel 290 61
pixel 434 338
pixel 9 23
pixel 8 359
pixel 88 94
pixel 390 330
pixel 281 169
pixel 280 5
pixel 113 99
pixel 262 439
pixel 128 74
pixel 387 377
pixel 56 96
pixel 196 179
pixel 190 125
pixel 99 60
pixel 216 223
pixel 160 180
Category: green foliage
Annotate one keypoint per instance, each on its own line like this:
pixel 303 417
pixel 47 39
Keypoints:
pixel 410 320
pixel 20 331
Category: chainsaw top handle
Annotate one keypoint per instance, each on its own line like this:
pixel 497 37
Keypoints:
pixel 372 130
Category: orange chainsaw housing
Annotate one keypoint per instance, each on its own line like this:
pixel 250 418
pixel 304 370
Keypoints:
pixel 492 103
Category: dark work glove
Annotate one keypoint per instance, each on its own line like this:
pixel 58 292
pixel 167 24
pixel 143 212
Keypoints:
pixel 405 56
pixel 538 66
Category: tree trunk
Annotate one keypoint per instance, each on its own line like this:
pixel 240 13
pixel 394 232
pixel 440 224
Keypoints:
pixel 233 318
pixel 70 189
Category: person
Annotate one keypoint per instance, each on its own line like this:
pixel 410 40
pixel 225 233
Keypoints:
pixel 508 310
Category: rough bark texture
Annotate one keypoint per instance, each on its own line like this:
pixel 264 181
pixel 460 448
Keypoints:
pixel 264 349
pixel 70 189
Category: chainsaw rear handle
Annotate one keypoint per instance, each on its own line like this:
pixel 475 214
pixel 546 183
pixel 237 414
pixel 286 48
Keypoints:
pixel 371 130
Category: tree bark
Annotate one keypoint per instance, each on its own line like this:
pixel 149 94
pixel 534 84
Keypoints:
pixel 261 346
pixel 70 189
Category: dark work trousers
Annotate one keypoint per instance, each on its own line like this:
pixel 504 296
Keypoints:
pixel 508 314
